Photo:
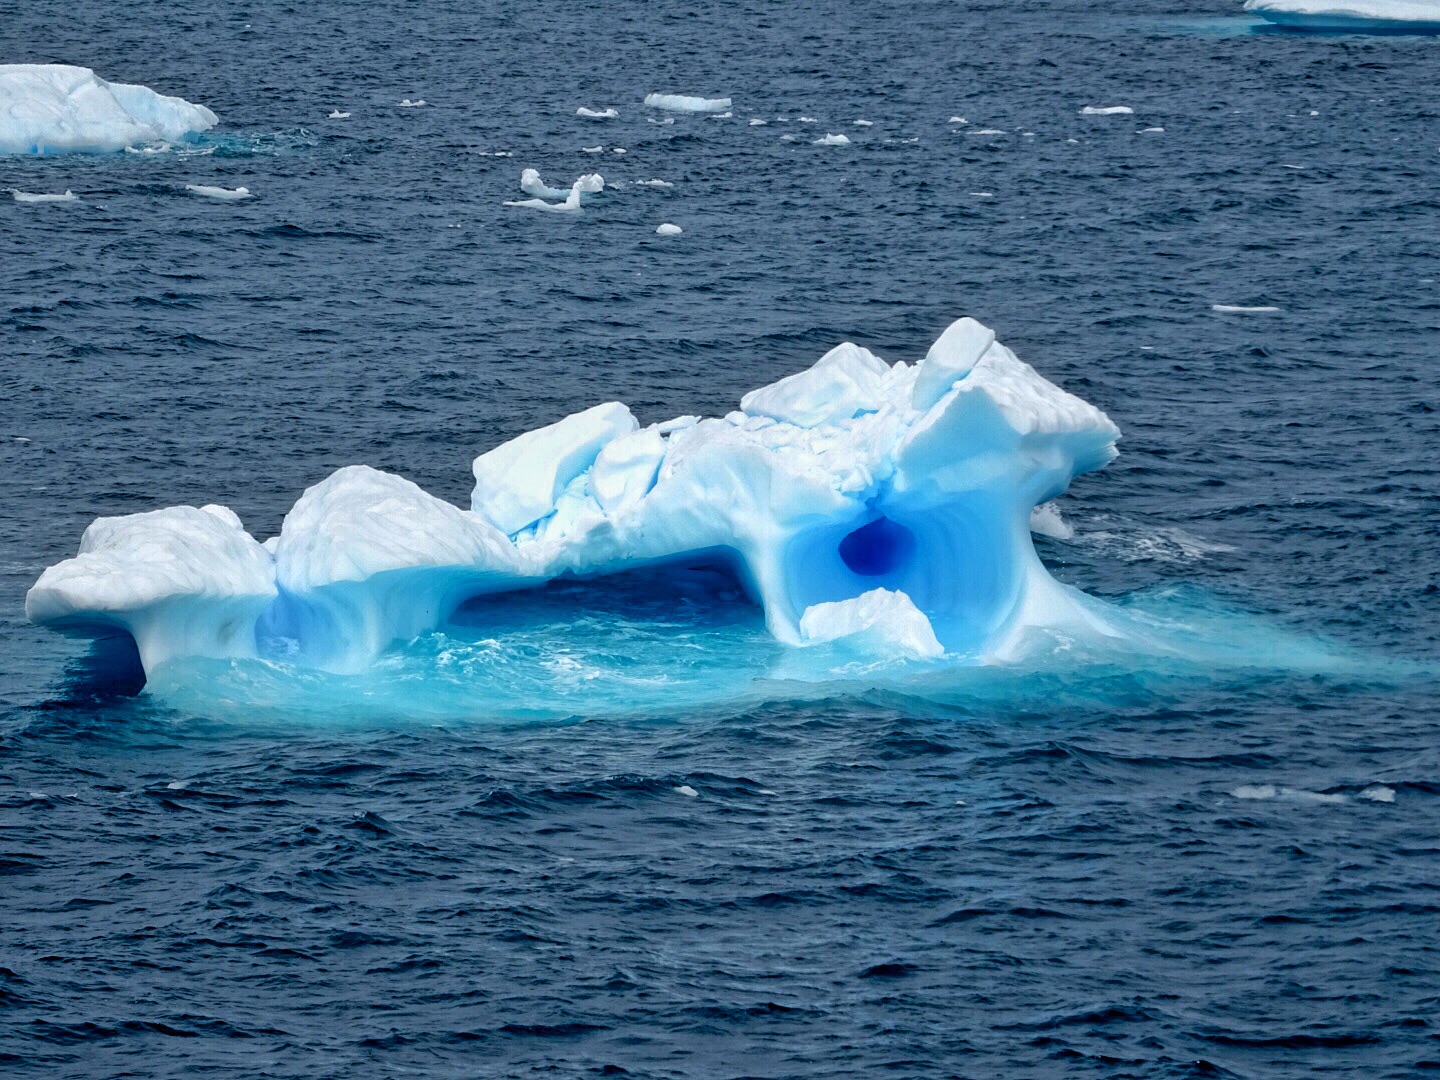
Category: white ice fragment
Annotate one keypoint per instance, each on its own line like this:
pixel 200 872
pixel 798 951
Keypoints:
pixel 338 115
pixel 408 104
pixel 806 120
pixel 687 791
pixel 518 482
pixel 881 621
pixel 1378 793
pixel 844 383
pixel 597 114
pixel 1152 131
pixel 721 116
pixel 864 123
pixel 986 131
pixel 587 184
pixel 755 121
pixel 668 229
pixel 43 197
pixel 949 360
pixel 1107 110
pixel 592 149
pixel 983 194
pixel 957 120
pixel 1361 15
pixel 618 150
pixel 57 108
pixel 686 104
pixel 833 140
pixel 654 183
pixel 211 192
pixel 1242 309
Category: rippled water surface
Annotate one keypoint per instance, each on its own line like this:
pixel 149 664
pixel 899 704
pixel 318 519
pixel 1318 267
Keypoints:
pixel 606 831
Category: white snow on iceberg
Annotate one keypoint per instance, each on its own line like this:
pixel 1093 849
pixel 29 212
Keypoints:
pixel 882 506
pixel 57 109
pixel 1394 16
pixel 531 184
pixel 687 104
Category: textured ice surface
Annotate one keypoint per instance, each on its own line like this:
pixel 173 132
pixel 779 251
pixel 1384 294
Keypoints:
pixel 685 103
pixel 56 109
pixel 885 507
pixel 531 184
pixel 1414 15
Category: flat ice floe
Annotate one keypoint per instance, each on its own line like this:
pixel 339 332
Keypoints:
pixel 597 114
pixel 211 192
pixel 1107 110
pixel 882 507
pixel 531 184
pixel 43 197
pixel 686 104
pixel 1355 15
pixel 832 140
pixel 57 109
pixel 1243 309
pixel 668 229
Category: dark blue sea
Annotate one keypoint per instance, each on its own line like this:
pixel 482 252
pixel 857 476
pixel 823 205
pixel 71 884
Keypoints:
pixel 1112 870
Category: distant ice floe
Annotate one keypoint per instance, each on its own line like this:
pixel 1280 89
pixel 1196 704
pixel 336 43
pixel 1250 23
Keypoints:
pixel 686 104
pixel 832 140
pixel 598 114
pixel 986 131
pixel 592 149
pixel 218 192
pixel 338 115
pixel 408 104
pixel 1107 110
pixel 669 230
pixel 43 197
pixel 1242 309
pixel 1152 131
pixel 654 183
pixel 863 123
pixel 57 109
pixel 867 506
pixel 1266 792
pixel 1421 16
pixel 531 184
pixel 755 121
pixel 957 120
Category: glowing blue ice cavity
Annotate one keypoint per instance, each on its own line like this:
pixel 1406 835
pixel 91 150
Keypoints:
pixel 884 504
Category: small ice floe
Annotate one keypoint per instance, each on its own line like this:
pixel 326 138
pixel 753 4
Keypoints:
pixel 1378 793
pixel 1152 131
pixel 755 121
pixel 653 183
pixel 686 790
pixel 987 131
pixel 983 194
pixel 1242 309
pixel 211 192
pixel 43 197
pixel 1045 520
pixel 806 120
pixel 1299 167
pixel 832 140
pixel 1073 142
pixel 957 120
pixel 592 149
pixel 531 184
pixel 669 230
pixel 598 114
pixel 406 103
pixel 863 123
pixel 21 438
pixel 619 150
pixel 175 785
pixel 721 115
pixel 338 115
pixel 687 104
pixel 1107 110
pixel 659 120
pixel 1272 791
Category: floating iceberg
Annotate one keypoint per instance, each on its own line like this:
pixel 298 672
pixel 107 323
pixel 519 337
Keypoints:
pixel 883 507
pixel 598 114
pixel 833 140
pixel 683 103
pixel 212 192
pixel 1107 110
pixel 668 229
pixel 1372 16
pixel 43 197
pixel 531 184
pixel 57 109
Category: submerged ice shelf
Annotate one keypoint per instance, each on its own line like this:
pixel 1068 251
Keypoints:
pixel 57 108
pixel 883 505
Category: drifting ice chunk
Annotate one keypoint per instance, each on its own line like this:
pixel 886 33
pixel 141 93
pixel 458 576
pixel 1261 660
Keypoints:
pixel 56 109
pixel 597 114
pixel 669 229
pixel 686 104
pixel 880 622
pixel 531 184
pixel 833 140
pixel 1394 16
pixel 218 192
pixel 883 505
pixel 338 115
pixel 408 104
pixel 1241 309
pixel 844 383
pixel 517 483
pixel 26 196
pixel 1107 110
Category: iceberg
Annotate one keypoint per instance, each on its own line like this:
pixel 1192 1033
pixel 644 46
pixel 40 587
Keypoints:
pixel 684 103
pixel 833 140
pixel 43 197
pixel 668 228
pixel 597 114
pixel 212 192
pixel 58 109
pixel 885 508
pixel 531 184
pixel 1107 110
pixel 1371 16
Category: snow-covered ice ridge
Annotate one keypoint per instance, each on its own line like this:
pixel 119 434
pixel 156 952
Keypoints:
pixel 885 504
pixel 57 109
pixel 1372 15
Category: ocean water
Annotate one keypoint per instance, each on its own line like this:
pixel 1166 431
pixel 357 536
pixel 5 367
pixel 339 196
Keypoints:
pixel 611 829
